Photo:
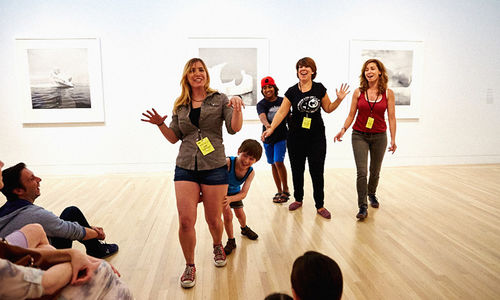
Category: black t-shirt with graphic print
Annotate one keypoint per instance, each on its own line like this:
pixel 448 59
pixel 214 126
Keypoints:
pixel 306 104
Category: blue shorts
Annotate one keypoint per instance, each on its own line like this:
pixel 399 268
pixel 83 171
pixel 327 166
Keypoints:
pixel 275 152
pixel 209 177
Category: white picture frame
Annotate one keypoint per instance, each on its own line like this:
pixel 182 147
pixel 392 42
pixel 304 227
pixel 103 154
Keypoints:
pixel 60 80
pixel 403 61
pixel 233 64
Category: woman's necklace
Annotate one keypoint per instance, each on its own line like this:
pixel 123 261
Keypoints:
pixel 302 88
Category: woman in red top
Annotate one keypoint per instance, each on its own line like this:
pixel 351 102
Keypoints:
pixel 370 101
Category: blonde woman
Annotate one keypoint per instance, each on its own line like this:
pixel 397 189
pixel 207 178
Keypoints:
pixel 198 115
pixel 369 104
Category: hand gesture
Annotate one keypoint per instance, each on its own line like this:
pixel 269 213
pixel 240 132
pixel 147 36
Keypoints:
pixel 82 267
pixel 269 131
pixel 344 90
pixel 339 136
pixel 225 202
pixel 236 103
pixel 393 147
pixel 153 117
pixel 100 232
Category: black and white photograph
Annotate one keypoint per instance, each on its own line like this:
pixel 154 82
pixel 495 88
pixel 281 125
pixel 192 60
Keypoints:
pixel 236 66
pixel 60 80
pixel 399 65
pixel 403 62
pixel 233 71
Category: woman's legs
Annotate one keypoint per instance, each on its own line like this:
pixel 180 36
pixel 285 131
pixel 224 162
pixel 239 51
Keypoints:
pixel 297 156
pixel 35 236
pixel 316 159
pixel 377 152
pixel 228 221
pixel 360 149
pixel 187 194
pixel 213 195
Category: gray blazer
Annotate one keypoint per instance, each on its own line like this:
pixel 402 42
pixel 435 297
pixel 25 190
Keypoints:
pixel 214 111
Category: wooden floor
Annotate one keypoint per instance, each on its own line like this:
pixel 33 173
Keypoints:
pixel 436 234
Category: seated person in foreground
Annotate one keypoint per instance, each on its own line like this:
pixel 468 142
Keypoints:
pixel 21 188
pixel 316 276
pixel 83 277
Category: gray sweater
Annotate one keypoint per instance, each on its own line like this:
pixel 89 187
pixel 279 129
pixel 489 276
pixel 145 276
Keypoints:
pixel 52 224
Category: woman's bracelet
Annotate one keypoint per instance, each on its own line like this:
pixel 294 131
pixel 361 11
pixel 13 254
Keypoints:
pixel 345 129
pixel 161 124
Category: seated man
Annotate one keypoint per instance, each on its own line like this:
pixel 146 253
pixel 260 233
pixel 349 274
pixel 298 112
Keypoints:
pixel 22 187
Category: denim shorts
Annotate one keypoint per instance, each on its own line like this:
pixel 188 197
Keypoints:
pixel 208 177
pixel 275 152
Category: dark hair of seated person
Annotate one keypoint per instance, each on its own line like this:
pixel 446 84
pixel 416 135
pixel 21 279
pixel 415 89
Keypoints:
pixel 278 296
pixel 12 180
pixel 316 276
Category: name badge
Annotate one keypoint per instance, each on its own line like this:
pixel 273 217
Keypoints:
pixel 306 123
pixel 369 122
pixel 205 146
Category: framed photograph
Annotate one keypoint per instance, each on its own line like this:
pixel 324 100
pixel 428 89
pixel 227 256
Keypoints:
pixel 60 80
pixel 403 61
pixel 236 66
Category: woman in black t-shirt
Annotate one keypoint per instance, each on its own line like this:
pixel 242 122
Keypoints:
pixel 306 137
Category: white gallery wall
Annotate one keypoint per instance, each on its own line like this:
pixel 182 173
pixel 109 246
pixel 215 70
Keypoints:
pixel 144 45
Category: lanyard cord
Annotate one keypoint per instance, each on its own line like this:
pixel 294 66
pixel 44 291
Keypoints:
pixel 368 101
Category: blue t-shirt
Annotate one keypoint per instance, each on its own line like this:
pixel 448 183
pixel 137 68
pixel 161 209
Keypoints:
pixel 234 182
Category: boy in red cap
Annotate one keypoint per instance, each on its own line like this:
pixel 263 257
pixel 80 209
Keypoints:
pixel 275 144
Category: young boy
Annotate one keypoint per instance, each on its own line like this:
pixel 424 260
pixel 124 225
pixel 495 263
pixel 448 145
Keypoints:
pixel 240 172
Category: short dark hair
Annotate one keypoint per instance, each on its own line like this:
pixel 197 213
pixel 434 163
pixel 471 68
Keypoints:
pixel 316 276
pixel 252 148
pixel 278 296
pixel 12 180
pixel 307 62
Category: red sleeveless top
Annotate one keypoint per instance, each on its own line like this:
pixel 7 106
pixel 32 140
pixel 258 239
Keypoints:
pixel 377 112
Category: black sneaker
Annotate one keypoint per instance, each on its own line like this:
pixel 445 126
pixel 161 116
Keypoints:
pixel 363 213
pixel 249 233
pixel 230 246
pixel 373 201
pixel 104 250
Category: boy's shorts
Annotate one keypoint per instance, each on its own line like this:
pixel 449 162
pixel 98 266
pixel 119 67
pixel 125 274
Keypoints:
pixel 237 204
pixel 275 152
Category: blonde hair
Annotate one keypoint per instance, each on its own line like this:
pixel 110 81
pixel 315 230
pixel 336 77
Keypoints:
pixel 185 97
pixel 383 78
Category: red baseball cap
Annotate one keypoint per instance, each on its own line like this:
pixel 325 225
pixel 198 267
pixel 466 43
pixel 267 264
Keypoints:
pixel 267 81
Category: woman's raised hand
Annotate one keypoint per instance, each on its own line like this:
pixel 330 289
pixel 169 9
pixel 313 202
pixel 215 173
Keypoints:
pixel 344 90
pixel 153 117
pixel 236 103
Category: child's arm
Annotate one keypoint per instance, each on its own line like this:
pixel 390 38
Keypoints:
pixel 243 192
